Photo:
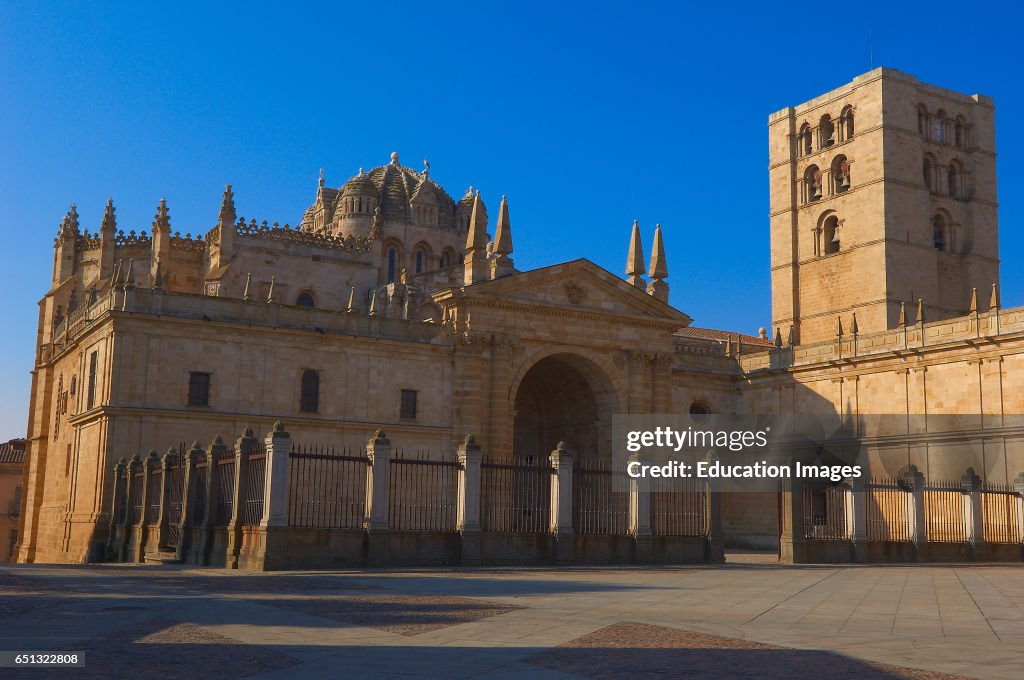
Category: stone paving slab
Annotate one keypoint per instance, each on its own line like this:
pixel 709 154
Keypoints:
pixel 965 620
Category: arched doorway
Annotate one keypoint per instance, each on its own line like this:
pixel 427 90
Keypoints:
pixel 564 397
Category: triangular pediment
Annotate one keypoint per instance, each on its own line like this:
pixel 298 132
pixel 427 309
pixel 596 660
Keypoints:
pixel 576 286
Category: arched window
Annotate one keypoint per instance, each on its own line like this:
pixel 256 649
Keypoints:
pixel 939 233
pixel 840 174
pixel 922 120
pixel 392 265
pixel 958 133
pixel 446 259
pixel 830 233
pixel 927 167
pixel 812 184
pixel 305 299
pixel 421 261
pixel 846 120
pixel 826 132
pixel 309 399
pixel 953 179
pixel 699 411
pixel 803 140
pixel 939 126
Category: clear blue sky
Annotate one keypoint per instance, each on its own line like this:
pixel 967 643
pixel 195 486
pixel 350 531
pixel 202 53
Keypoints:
pixel 587 115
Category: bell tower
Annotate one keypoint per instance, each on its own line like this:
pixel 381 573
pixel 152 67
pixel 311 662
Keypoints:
pixel 882 192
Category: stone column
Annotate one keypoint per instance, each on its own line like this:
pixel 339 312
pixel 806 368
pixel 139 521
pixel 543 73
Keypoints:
pixel 974 518
pixel 204 539
pixel 561 504
pixel 917 520
pixel 1018 505
pixel 165 491
pixel 188 500
pixel 640 511
pixel 243 446
pixel 272 550
pixel 375 522
pixel 118 498
pixel 856 517
pixel 468 507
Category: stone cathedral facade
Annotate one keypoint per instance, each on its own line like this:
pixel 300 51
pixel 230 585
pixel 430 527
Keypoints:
pixel 393 304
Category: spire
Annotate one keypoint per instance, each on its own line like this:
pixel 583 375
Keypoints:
pixel 475 266
pixel 854 328
pixel 502 264
pixel 503 233
pixel 246 294
pixel 373 303
pixel 109 222
pixel 903 314
pixel 129 276
pixel 920 310
pixel 635 259
pixel 351 300
pixel 657 288
pixel 791 338
pixel 227 215
pixel 839 327
pixel 477 237
pixel 270 291
pixel 162 220
pixel 778 337
pixel 974 301
pixel 993 301
pixel 320 182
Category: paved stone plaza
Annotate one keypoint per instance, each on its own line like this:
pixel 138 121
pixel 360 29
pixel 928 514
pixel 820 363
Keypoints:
pixel 747 618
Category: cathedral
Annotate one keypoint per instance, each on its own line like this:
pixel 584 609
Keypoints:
pixel 392 304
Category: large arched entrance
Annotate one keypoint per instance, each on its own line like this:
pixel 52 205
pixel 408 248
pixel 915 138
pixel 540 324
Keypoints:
pixel 564 397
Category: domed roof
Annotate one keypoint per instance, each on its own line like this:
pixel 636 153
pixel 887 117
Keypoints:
pixel 360 185
pixel 395 187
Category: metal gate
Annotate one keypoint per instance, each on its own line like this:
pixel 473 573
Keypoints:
pixel 175 494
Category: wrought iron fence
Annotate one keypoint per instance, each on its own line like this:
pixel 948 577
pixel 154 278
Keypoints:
pixel 153 480
pixel 597 508
pixel 886 510
pixel 224 468
pixel 326 489
pixel 256 473
pixel 678 507
pixel 999 513
pixel 944 511
pixel 175 496
pixel 422 493
pixel 824 506
pixel 135 494
pixel 515 495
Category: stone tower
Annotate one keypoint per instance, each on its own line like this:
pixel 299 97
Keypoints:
pixel 882 192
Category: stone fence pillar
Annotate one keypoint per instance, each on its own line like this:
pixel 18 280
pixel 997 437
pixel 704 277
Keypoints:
pixel 204 539
pixel 1018 505
pixel 271 549
pixel 139 547
pixel 640 511
pixel 244 445
pixel 378 475
pixel 118 494
pixel 791 519
pixel 163 520
pixel 468 505
pixel 856 517
pixel 189 499
pixel 715 541
pixel 561 504
pixel 129 500
pixel 974 518
pixel 917 520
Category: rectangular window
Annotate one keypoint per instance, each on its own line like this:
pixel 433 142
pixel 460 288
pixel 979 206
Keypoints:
pixel 90 396
pixel 198 389
pixel 15 509
pixel 309 399
pixel 408 410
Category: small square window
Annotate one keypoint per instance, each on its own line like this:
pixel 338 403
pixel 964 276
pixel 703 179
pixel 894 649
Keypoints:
pixel 198 389
pixel 408 410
